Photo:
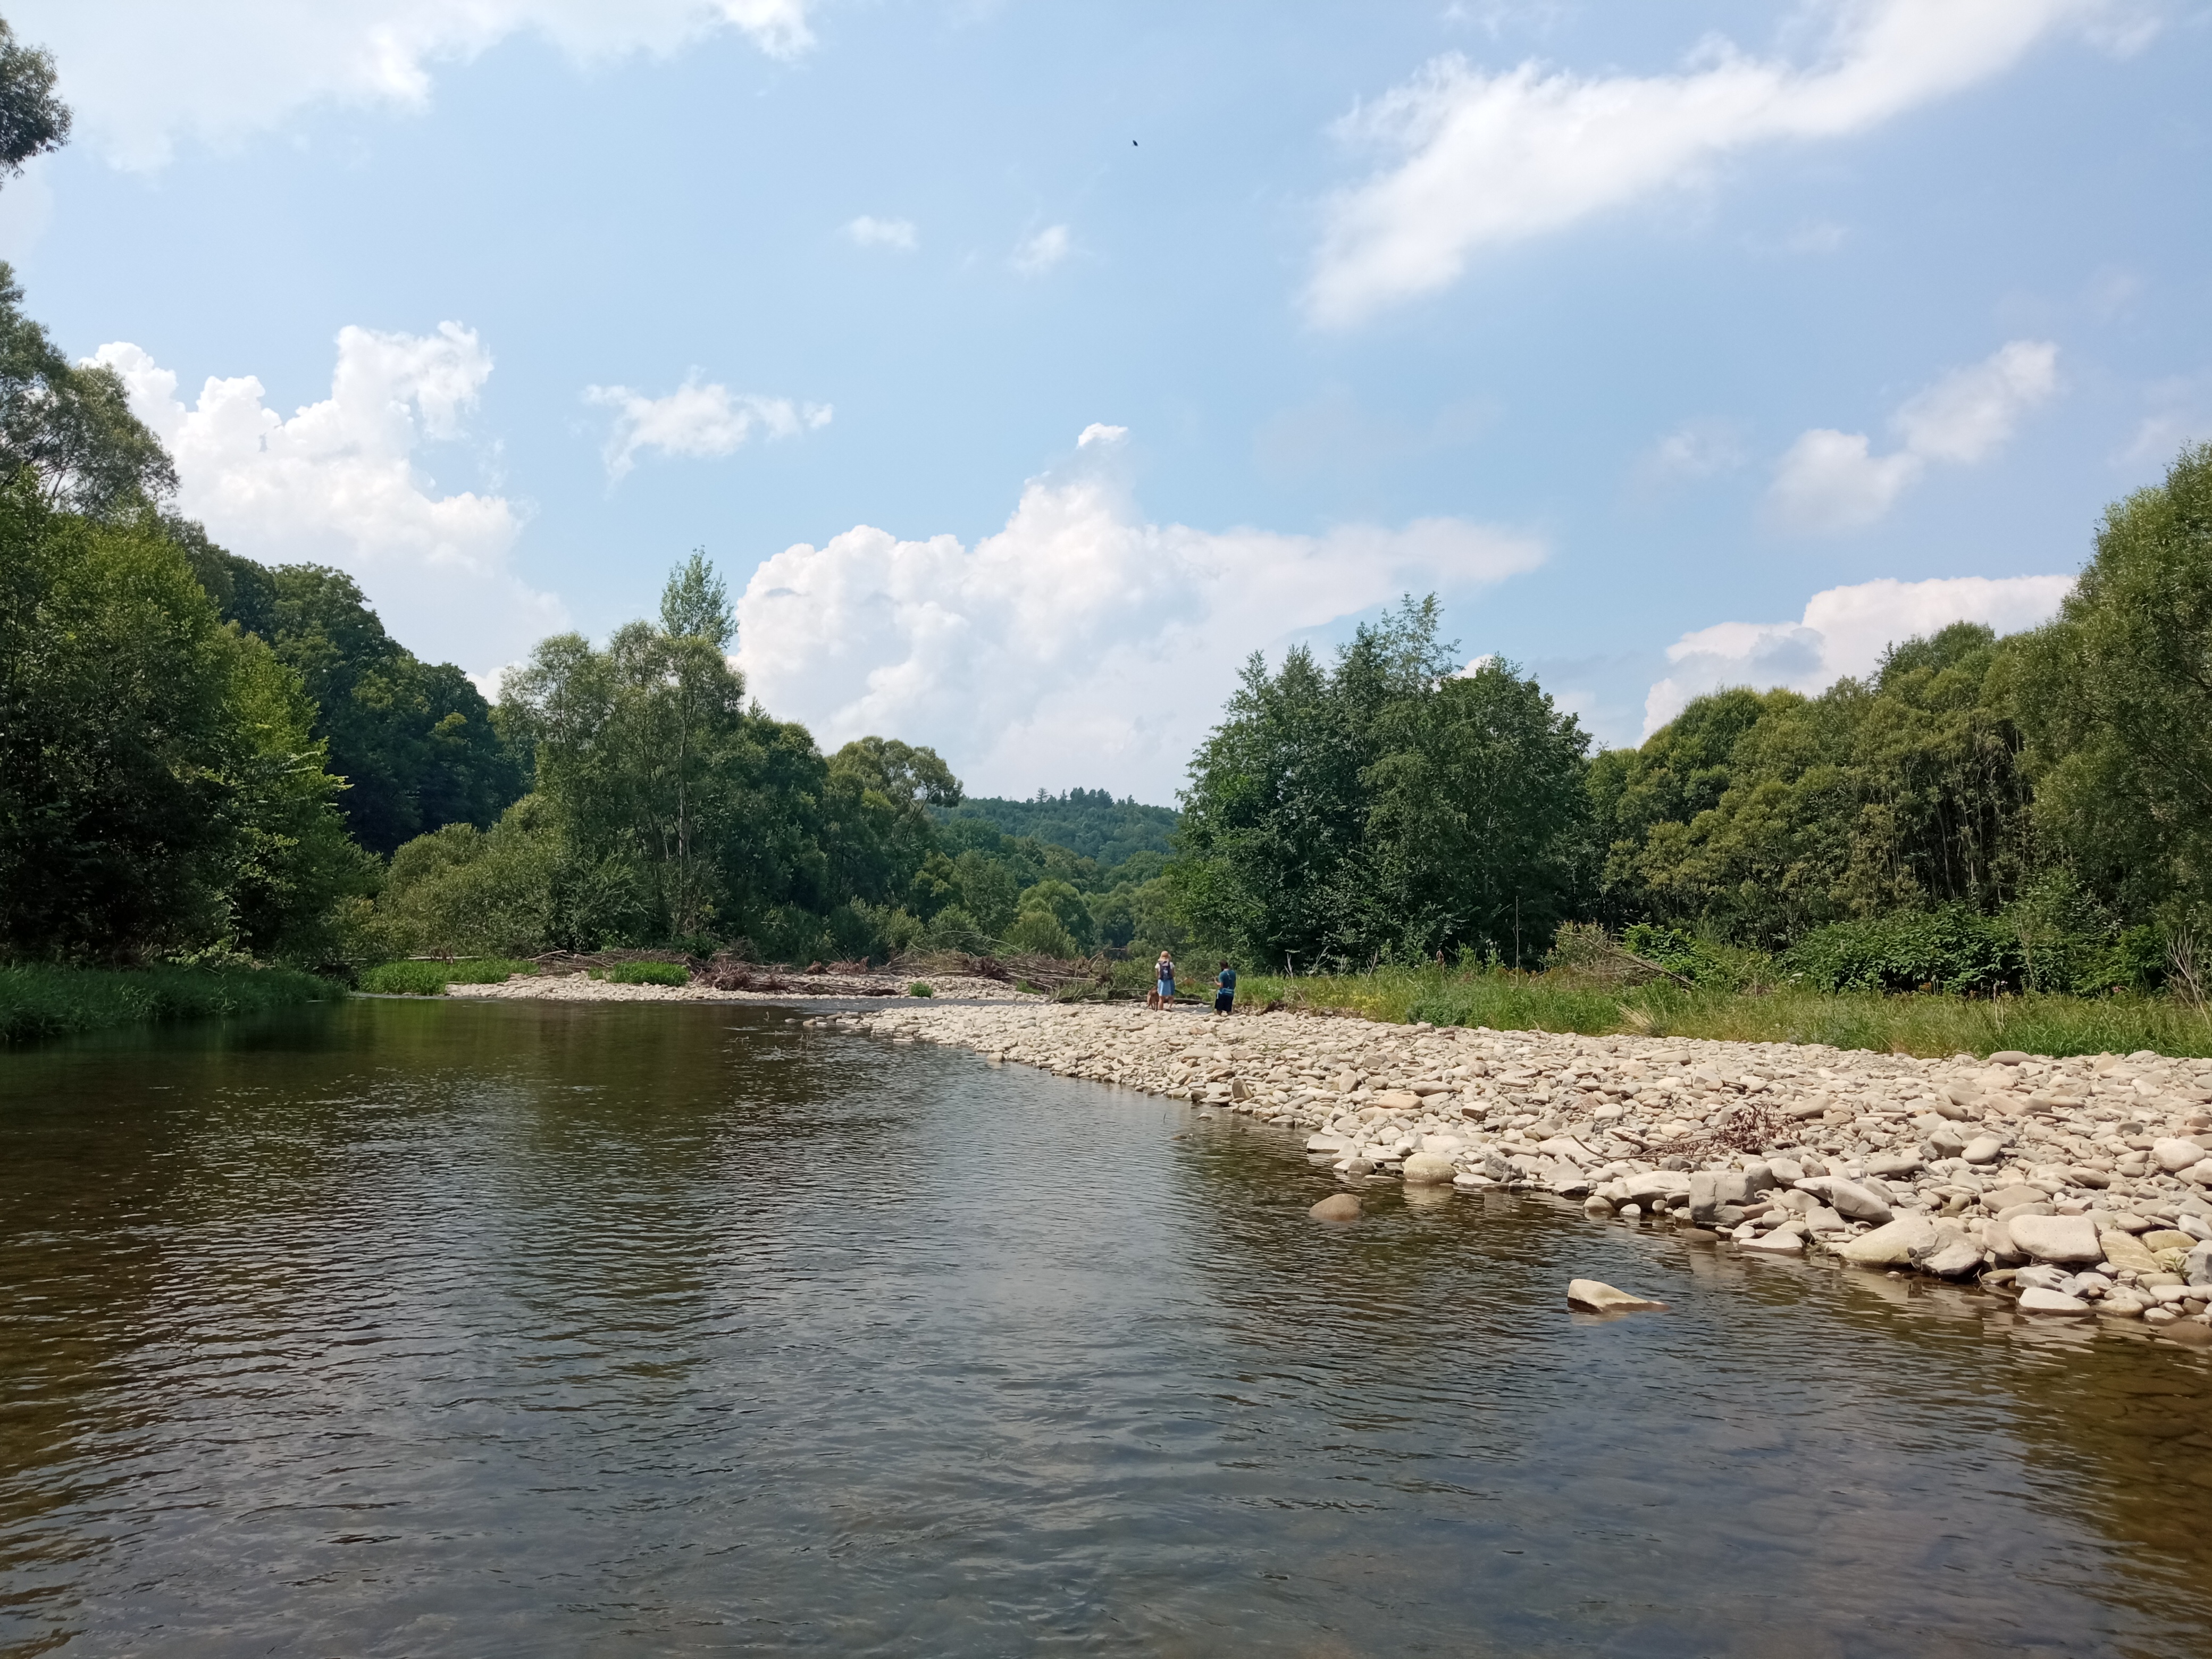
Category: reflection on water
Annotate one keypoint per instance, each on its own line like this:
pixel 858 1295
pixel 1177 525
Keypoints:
pixel 513 1328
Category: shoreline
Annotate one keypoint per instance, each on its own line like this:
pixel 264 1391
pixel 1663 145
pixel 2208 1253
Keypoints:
pixel 2080 1188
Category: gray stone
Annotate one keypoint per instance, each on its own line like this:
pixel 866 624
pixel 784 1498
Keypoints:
pixel 2176 1154
pixel 1783 1241
pixel 2056 1238
pixel 1893 1163
pixel 2196 1266
pixel 1998 1241
pixel 1982 1149
pixel 2008 1057
pixel 1954 1255
pixel 1849 1198
pixel 1669 1184
pixel 2019 1193
pixel 1337 1207
pixel 1428 1170
pixel 1786 1171
pixel 1822 1219
pixel 1891 1244
pixel 2051 1302
pixel 1326 1143
pixel 1705 1198
pixel 1947 1142
pixel 1594 1296
pixel 2045 1278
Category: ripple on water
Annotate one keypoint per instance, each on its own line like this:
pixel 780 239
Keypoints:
pixel 530 1328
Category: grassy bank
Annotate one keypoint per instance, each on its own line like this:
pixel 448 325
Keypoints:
pixel 430 979
pixel 1931 1025
pixel 43 1002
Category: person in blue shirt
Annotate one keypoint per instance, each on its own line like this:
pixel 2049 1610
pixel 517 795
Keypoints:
pixel 1165 989
pixel 1224 988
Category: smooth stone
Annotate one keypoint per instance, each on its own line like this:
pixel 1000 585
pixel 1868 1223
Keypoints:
pixel 1326 1143
pixel 1428 1170
pixel 1891 1245
pixel 2196 1266
pixel 1982 1149
pixel 1822 1219
pixel 2019 1193
pixel 1337 1207
pixel 2050 1302
pixel 1783 1241
pixel 2124 1250
pixel 1705 1198
pixel 1593 1296
pixel 2175 1155
pixel 1847 1198
pixel 2167 1238
pixel 1894 1164
pixel 2008 1057
pixel 1786 1171
pixel 1396 1100
pixel 1954 1257
pixel 1356 1166
pixel 2121 1305
pixel 2056 1238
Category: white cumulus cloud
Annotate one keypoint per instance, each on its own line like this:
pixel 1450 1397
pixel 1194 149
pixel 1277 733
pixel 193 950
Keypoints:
pixel 341 483
pixel 869 232
pixel 1039 254
pixel 1844 631
pixel 1830 481
pixel 700 418
pixel 1476 160
pixel 1082 642
pixel 142 76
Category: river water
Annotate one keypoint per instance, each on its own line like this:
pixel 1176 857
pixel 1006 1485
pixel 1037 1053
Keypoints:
pixel 545 1329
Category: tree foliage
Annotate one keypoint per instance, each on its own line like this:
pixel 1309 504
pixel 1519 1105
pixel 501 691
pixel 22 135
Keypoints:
pixel 32 117
pixel 1384 805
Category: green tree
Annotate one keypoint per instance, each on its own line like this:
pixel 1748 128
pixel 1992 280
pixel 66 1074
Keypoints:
pixel 32 118
pixel 160 792
pixel 2115 697
pixel 68 431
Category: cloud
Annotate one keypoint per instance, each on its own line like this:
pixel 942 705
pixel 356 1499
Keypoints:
pixel 339 482
pixel 1477 160
pixel 900 234
pixel 1830 481
pixel 1082 642
pixel 1042 252
pixel 140 77
pixel 699 418
pixel 1695 450
pixel 1844 631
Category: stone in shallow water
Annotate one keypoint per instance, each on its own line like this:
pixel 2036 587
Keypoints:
pixel 2050 1302
pixel 1428 1169
pixel 1783 1241
pixel 1954 1256
pixel 1337 1207
pixel 1594 1296
pixel 1891 1245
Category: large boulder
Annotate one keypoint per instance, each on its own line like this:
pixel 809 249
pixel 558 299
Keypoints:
pixel 2056 1238
pixel 1891 1244
pixel 1428 1170
pixel 1705 1198
pixel 1952 1255
pixel 1847 1198
pixel 1337 1207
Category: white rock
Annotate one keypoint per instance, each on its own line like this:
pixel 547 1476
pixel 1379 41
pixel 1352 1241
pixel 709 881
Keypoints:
pixel 2176 1154
pixel 1982 1149
pixel 1594 1296
pixel 1783 1241
pixel 1428 1169
pixel 2056 1238
pixel 2050 1302
pixel 1891 1244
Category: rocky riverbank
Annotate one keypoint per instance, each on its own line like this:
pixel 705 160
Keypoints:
pixel 580 986
pixel 2083 1188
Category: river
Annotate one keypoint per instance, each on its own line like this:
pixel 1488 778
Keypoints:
pixel 539 1328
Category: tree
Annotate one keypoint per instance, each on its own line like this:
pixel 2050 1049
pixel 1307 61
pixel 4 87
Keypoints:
pixel 2115 697
pixel 1383 805
pixel 160 792
pixel 1478 819
pixel 33 120
pixel 68 430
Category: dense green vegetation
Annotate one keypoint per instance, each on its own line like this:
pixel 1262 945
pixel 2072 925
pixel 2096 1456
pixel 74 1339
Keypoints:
pixel 41 1000
pixel 1089 822
pixel 418 976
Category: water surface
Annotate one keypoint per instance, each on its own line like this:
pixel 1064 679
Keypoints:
pixel 494 1329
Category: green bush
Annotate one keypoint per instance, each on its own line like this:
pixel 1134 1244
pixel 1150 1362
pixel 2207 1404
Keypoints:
pixel 921 988
pixel 38 1002
pixel 430 979
pixel 644 973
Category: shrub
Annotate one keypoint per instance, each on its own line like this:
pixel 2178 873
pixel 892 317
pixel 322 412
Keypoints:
pixel 36 1001
pixel 644 973
pixel 921 988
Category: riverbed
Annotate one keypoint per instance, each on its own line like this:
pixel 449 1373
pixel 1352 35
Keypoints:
pixel 535 1327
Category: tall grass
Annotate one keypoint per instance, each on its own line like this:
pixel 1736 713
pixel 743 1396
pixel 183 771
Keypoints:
pixel 1929 1025
pixel 644 973
pixel 430 979
pixel 37 1001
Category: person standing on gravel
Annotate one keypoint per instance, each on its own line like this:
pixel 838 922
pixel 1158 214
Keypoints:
pixel 1224 989
pixel 1165 972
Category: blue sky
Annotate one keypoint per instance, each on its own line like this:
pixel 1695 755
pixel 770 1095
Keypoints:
pixel 1675 345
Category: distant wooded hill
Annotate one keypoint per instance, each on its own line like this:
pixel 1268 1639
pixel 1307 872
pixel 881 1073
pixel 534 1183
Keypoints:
pixel 1087 822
